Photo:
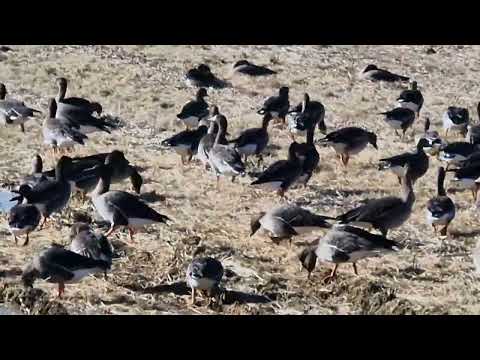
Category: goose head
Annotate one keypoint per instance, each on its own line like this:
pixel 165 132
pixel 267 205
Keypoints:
pixel 255 223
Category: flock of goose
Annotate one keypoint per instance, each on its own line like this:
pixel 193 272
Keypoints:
pixel 70 121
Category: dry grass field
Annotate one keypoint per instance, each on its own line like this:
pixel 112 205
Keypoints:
pixel 142 85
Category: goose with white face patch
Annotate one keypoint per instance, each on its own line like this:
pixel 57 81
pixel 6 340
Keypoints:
pixel 14 112
pixel 204 274
pixel 440 209
pixel 195 110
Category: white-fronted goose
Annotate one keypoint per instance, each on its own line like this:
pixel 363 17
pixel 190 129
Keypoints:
pixel 74 104
pixel 349 141
pixel 14 112
pixel 247 68
pixel 346 244
pixel 23 219
pixel 411 99
pixel 301 116
pixel 186 142
pixel 120 208
pixel 456 152
pixel 373 73
pixel 206 142
pixel 284 222
pixel 60 133
pixel 283 173
pixel 383 214
pixel 204 274
pixel 467 177
pixel 61 266
pixel 195 110
pixel 278 105
pixel 440 209
pixel 202 76
pixel 456 118
pixel 413 163
pixel 399 119
pixel 224 160
pixel 253 141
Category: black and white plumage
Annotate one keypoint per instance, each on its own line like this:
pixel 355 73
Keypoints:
pixel 247 68
pixel 284 222
pixel 202 76
pixel 349 141
pixel 400 119
pixel 346 244
pixel 23 219
pixel 74 104
pixel 468 177
pixel 14 112
pixel 456 152
pixel 440 209
pixel 204 274
pixel 59 265
pixel 435 142
pixel 282 174
pixel 310 154
pixel 301 117
pixel 414 164
pixel 373 73
pixel 186 142
pixel 194 110
pixel 278 105
pixel 456 118
pixel 411 99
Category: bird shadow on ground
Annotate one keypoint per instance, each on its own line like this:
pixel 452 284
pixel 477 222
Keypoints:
pixel 152 197
pixel 466 234
pixel 10 273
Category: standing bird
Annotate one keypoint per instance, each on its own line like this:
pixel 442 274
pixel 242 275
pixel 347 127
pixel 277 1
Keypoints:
pixel 195 110
pixel 206 142
pixel 411 99
pixel 473 131
pixel 14 112
pixel 373 73
pixel 399 119
pixel 186 142
pixel 23 219
pixel 61 266
pixel 74 104
pixel 435 142
pixel 312 158
pixel 457 152
pixel 468 177
pixel 247 68
pixel 202 76
pixel 349 141
pixel 36 176
pixel 301 116
pixel 277 106
pixel 204 274
pixel 346 244
pixel 440 209
pixel 456 118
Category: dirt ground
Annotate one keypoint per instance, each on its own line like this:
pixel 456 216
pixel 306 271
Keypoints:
pixel 142 85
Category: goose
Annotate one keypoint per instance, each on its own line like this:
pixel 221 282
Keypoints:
pixel 415 164
pixel 74 104
pixel 36 176
pixel 411 99
pixel 312 158
pixel 283 173
pixel 120 208
pixel 195 110
pixel 186 142
pixel 247 68
pixel 13 111
pixel 277 106
pixel 305 113
pixel 206 142
pixel 59 265
pixel 473 131
pixel 346 244
pixel 435 142
pixel 472 160
pixel 60 133
pixel 253 141
pixel 456 152
pixel 223 159
pixel 399 119
pixel 466 177
pixel 50 196
pixel 349 141
pixel 456 118
pixel 204 274
pixel 383 214
pixel 23 219
pixel 86 123
pixel 373 73
pixel 202 76
pixel 440 209
pixel 284 222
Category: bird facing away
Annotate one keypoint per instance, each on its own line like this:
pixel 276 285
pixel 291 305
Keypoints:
pixel 411 99
pixel 194 110
pixel 278 105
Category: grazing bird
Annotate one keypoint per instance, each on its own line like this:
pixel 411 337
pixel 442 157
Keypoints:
pixel 346 244
pixel 61 266
pixel 14 112
pixel 52 195
pixel 74 104
pixel 411 99
pixel 186 142
pixel 440 209
pixel 60 133
pixel 473 131
pixel 373 73
pixel 349 141
pixel 253 141
pixel 206 142
pixel 277 106
pixel 202 76
pixel 456 118
pixel 284 222
pixel 247 68
pixel 195 110
pixel 204 274
pixel 414 164
pixel 301 116
pixel 283 173
pixel 467 177
pixel 399 119
pixel 383 214
pixel 224 160
pixel 120 208
pixel 23 219
pixel 457 152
